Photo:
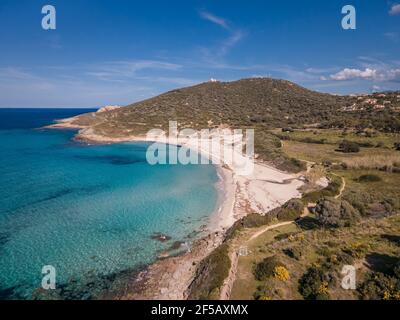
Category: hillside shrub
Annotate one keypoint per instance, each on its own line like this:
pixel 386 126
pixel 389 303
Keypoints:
pixel 263 293
pixel 266 268
pixel 281 273
pixel 210 275
pixel 314 284
pixel 368 178
pixel 291 210
pixel 349 147
pixel 378 286
pixel 334 213
pixel 331 190
pixel 294 252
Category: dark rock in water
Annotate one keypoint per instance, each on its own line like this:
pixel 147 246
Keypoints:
pixel 176 245
pixel 160 237
pixel 4 238
pixel 7 293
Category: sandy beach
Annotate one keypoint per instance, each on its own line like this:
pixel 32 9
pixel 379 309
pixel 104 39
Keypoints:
pixel 265 189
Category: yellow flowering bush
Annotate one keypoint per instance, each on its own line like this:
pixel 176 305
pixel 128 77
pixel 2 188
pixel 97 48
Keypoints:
pixel 281 273
pixel 323 288
pixel 386 295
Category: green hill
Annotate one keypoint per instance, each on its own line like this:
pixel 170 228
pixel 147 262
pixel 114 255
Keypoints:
pixel 259 103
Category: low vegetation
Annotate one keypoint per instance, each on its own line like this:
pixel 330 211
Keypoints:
pixel 266 268
pixel 368 178
pixel 349 147
pixel 334 213
pixel 210 275
pixel 386 162
pixel 359 228
pixel 333 188
pixel 314 262
pixel 314 284
pixel 382 286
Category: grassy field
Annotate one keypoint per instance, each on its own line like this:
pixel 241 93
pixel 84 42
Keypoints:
pixel 303 259
pixel 332 136
pixel 317 247
pixel 375 150
pixel 377 197
pixel 326 152
pixel 306 249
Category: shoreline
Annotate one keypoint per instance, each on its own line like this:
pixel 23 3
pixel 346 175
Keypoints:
pixel 265 189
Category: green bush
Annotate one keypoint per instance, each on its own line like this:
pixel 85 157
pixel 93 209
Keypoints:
pixel 311 140
pixel 295 252
pixel 263 293
pixel 335 213
pixel 378 286
pixel 291 210
pixel 359 200
pixel 368 178
pixel 349 147
pixel 265 269
pixel 357 250
pixel 313 285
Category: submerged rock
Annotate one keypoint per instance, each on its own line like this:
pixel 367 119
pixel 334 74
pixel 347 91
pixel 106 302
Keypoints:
pixel 160 237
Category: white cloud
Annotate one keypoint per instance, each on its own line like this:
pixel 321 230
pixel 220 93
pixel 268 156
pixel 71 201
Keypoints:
pixel 395 9
pixel 213 54
pixel 230 42
pixel 213 18
pixel 368 74
pixel 393 75
pixel 347 74
pixel 320 70
pixel 118 70
pixel 96 84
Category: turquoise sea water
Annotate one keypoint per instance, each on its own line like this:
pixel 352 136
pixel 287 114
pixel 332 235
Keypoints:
pixel 89 211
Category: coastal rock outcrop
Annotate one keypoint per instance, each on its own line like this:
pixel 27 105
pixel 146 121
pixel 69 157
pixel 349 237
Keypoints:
pixel 108 108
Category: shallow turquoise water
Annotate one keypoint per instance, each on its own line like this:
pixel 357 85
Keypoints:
pixel 89 211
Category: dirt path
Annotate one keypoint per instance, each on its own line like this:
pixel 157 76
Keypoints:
pixel 342 187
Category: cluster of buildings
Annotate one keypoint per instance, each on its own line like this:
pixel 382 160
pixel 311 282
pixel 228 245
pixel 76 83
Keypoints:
pixel 379 101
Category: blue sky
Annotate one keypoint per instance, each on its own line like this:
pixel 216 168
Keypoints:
pixel 117 52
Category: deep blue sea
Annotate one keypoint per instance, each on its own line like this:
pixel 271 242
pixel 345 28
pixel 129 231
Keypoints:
pixel 91 211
